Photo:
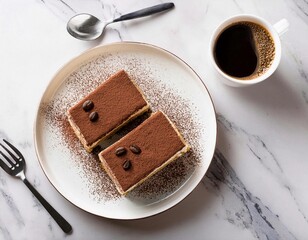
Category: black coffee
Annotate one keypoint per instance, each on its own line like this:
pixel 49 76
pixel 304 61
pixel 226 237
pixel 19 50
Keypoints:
pixel 244 50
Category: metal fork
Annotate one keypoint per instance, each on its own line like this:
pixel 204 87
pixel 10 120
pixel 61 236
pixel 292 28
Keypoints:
pixel 15 165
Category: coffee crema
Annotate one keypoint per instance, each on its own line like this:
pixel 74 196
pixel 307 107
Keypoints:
pixel 244 50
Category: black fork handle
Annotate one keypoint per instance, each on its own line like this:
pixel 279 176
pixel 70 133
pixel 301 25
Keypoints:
pixel 145 12
pixel 64 225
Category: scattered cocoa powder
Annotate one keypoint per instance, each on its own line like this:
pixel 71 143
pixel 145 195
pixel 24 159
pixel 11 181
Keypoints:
pixel 161 97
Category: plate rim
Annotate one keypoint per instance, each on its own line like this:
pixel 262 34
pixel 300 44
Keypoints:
pixel 71 60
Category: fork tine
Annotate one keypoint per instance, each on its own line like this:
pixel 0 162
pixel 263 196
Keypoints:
pixel 14 148
pixel 7 159
pixel 4 166
pixel 9 152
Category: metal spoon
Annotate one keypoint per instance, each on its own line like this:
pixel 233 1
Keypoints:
pixel 87 27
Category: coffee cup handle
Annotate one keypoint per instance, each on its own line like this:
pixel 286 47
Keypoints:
pixel 282 26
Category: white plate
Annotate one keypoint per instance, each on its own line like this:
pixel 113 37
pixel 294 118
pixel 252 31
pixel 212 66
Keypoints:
pixel 169 84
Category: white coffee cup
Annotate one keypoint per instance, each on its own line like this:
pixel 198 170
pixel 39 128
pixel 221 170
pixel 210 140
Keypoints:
pixel 275 31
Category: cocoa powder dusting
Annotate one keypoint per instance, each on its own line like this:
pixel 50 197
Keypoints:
pixel 160 97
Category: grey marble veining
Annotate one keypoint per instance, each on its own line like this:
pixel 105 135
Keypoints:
pixel 256 186
pixel 4 232
pixel 263 154
pixel 2 180
pixel 256 146
pixel 249 212
pixel 302 6
pixel 10 203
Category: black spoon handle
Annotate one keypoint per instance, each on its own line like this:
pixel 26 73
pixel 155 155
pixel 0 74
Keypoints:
pixel 64 225
pixel 145 12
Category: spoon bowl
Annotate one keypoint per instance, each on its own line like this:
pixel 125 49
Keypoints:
pixel 85 26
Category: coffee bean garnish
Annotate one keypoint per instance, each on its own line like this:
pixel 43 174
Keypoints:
pixel 135 149
pixel 127 165
pixel 120 151
pixel 93 116
pixel 87 105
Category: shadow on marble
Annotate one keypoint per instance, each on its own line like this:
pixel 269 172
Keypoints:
pixel 221 195
pixel 276 93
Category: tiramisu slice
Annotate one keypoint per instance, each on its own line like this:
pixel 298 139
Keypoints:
pixel 144 151
pixel 105 110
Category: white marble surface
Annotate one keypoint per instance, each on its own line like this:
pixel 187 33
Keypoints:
pixel 256 186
